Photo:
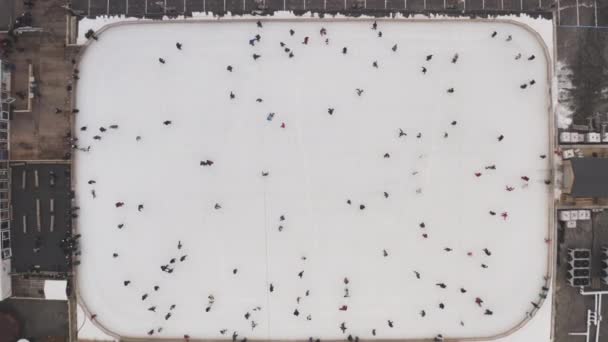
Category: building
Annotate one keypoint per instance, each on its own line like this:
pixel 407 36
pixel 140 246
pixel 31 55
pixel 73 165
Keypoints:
pixel 586 177
pixel 6 15
pixel 5 235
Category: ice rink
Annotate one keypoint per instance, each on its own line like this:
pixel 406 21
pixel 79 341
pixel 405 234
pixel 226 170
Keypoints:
pixel 364 201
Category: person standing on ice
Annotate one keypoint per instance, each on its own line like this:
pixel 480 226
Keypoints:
pixel 305 42
pixel 478 301
pixel 178 45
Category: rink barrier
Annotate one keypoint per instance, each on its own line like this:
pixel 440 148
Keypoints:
pixel 549 280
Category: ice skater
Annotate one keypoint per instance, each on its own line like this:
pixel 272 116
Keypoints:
pixel 140 207
pixel 509 188
pixel 417 274
pixel 477 174
pixel 167 122
pixel 494 34
pixel 291 32
pixel 374 26
pixel 178 45
pixel 256 56
pixel 161 60
pixel 259 23
pixel 531 58
pixel 305 41
pixel 455 58
pixel 323 31
pixel 232 96
pixel 394 48
pixel 487 252
pixel 429 57
pixel 442 285
pixel 402 133
pixel 423 70
pixel 229 68
pixel 501 137
pixel 390 323
pixel 450 90
pixel 488 312
pixel 119 204
pixel 525 178
pixel 491 167
pixel 478 301
pixel 375 64
pixel 344 50
pixel 359 91
pixel 330 111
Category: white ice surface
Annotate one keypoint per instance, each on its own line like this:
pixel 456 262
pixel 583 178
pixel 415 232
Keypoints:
pixel 87 330
pixel 315 164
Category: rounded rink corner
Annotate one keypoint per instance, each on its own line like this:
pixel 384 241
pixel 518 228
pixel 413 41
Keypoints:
pixel 541 40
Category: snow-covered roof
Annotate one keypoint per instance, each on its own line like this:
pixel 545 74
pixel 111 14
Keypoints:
pixel 55 289
pixel 5 279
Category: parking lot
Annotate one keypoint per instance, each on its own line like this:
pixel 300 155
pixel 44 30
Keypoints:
pixel 94 8
pixel 584 13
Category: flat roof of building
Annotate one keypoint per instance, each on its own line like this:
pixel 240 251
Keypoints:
pixel 590 177
pixel 6 14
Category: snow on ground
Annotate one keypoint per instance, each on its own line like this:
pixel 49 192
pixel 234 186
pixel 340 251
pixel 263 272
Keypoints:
pixel 236 250
pixel 564 110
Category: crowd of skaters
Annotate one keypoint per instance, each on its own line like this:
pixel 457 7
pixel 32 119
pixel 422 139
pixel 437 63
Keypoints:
pixel 70 244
